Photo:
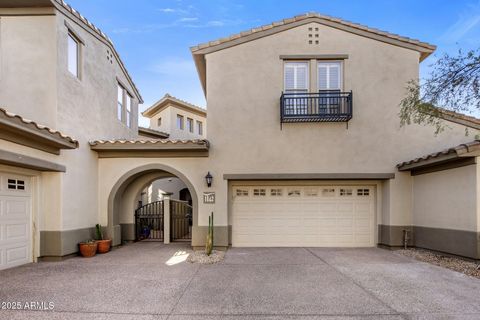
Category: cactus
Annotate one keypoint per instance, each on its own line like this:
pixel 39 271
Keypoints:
pixel 98 232
pixel 209 244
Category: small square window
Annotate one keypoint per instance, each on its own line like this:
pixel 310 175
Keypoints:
pixel 276 192
pixel 346 192
pixel 13 184
pixel 294 193
pixel 241 192
pixel 259 192
pixel 328 192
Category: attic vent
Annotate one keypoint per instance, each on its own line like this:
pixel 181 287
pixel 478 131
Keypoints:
pixel 109 56
pixel 313 33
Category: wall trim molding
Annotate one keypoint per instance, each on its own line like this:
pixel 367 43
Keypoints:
pixel 309 176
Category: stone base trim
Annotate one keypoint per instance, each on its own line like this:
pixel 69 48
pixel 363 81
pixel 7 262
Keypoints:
pixel 457 242
pixel 63 243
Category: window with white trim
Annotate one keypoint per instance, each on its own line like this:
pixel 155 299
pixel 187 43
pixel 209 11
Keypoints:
pixel 346 192
pixel 180 124
pixel 259 192
pixel 120 102
pixel 329 76
pixel 294 193
pixel 296 77
pixel 363 192
pixel 190 125
pixel 200 127
pixel 73 55
pixel 128 110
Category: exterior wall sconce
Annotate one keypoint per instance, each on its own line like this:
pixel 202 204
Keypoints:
pixel 209 179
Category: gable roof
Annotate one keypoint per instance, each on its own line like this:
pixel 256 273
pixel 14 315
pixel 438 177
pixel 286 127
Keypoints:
pixel 76 17
pixel 199 51
pixel 171 100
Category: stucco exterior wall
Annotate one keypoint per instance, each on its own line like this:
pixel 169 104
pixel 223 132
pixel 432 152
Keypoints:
pixel 28 66
pixel 244 84
pixel 36 84
pixel 154 192
pixel 446 199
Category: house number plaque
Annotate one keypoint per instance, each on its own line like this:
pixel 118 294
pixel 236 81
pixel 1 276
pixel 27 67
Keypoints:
pixel 209 197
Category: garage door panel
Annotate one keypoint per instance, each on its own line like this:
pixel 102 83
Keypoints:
pixel 15 221
pixel 303 216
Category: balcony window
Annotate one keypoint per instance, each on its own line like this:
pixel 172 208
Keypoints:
pixel 200 128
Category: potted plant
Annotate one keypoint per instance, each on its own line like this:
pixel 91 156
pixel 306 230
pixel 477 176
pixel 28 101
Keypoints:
pixel 88 248
pixel 103 245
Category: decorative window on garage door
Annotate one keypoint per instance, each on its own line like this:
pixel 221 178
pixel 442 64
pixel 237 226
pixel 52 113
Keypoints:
pixel 14 184
pixel 294 192
pixel 363 192
pixel 241 192
pixel 259 192
pixel 276 192
pixel 346 192
pixel 311 192
pixel 330 192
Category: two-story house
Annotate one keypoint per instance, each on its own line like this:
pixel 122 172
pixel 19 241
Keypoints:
pixel 62 84
pixel 304 144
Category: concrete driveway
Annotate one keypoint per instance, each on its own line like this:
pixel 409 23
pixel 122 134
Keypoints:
pixel 152 281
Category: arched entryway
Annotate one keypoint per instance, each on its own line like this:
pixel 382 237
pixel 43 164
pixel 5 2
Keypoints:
pixel 124 198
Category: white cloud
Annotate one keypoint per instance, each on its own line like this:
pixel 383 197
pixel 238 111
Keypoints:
pixel 167 10
pixel 467 22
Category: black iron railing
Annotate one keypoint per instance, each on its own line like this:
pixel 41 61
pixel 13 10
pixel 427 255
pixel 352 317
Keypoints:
pixel 323 106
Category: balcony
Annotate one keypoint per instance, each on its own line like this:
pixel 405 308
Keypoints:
pixel 324 106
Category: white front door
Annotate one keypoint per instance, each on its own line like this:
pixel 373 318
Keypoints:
pixel 303 216
pixel 15 220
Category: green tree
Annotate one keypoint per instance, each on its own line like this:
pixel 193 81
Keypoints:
pixel 453 84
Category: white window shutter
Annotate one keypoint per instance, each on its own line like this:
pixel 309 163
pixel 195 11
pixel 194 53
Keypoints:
pixel 296 76
pixel 334 77
pixel 322 77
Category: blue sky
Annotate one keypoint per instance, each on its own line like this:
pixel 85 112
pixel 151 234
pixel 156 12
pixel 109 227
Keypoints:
pixel 153 37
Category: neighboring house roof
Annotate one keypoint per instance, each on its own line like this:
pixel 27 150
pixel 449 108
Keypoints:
pixel 66 9
pixel 151 133
pixel 460 118
pixel 171 100
pixel 17 129
pixel 200 50
pixel 145 148
pixel 464 150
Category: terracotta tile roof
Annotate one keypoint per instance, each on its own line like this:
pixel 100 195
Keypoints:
pixel 153 132
pixel 36 126
pixel 102 35
pixel 454 151
pixel 169 98
pixel 309 16
pixel 459 118
pixel 150 142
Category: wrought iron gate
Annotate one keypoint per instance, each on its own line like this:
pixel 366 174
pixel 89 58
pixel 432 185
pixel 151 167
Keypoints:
pixel 149 221
pixel 180 220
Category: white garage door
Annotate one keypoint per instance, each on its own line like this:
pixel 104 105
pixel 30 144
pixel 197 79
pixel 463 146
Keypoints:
pixel 15 221
pixel 303 216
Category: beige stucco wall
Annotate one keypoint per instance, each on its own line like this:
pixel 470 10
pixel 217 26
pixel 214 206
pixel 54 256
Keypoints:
pixel 244 84
pixel 447 199
pixel 28 67
pixel 35 83
pixel 155 191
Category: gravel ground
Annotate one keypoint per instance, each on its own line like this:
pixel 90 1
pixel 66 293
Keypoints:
pixel 458 264
pixel 200 256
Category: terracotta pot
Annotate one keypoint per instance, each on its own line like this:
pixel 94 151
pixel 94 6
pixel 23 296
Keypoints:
pixel 103 246
pixel 88 250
